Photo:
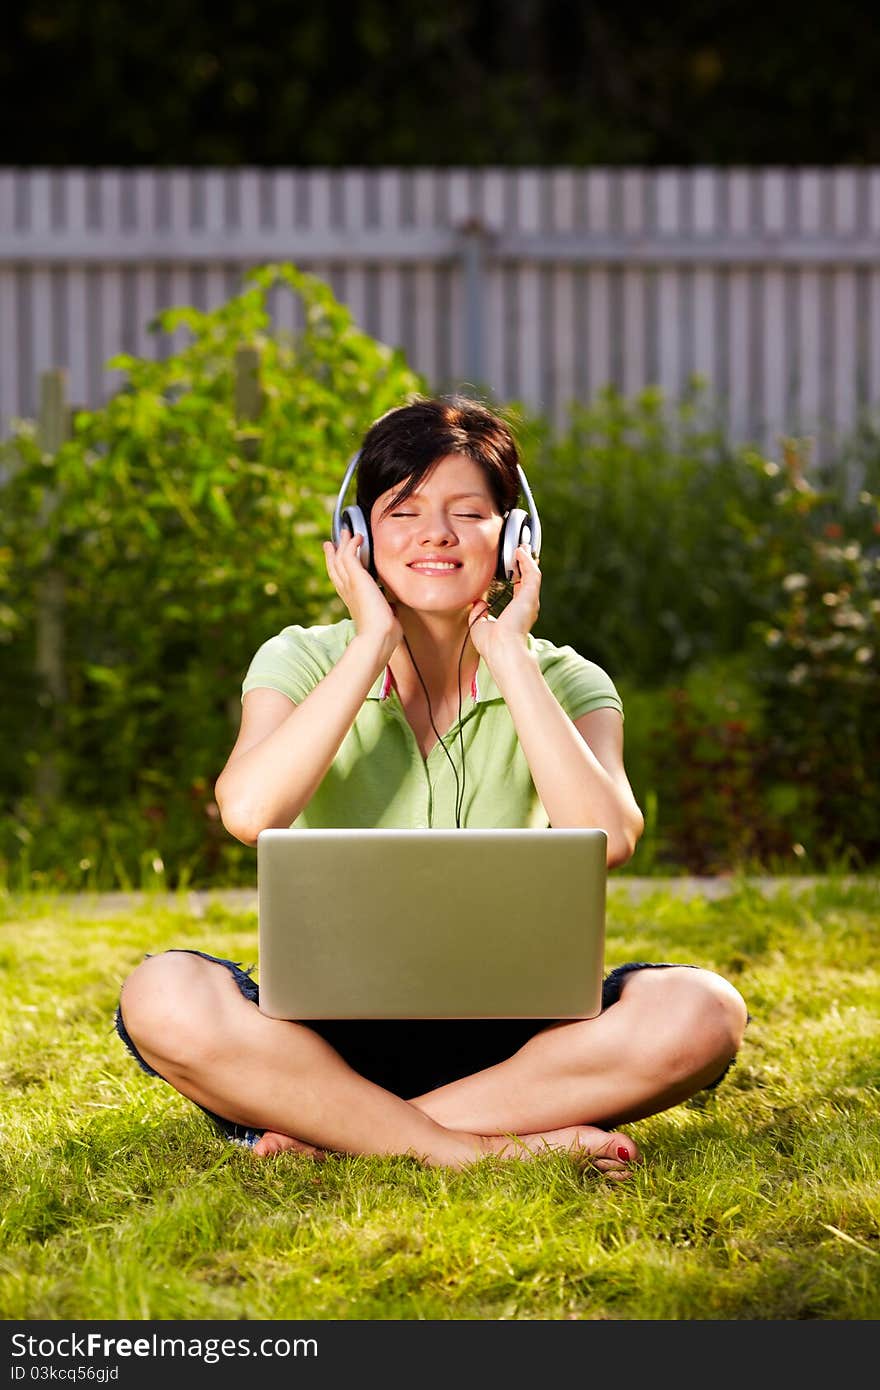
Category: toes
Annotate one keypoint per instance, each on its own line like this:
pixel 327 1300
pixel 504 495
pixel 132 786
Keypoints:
pixel 614 1157
pixel 621 1148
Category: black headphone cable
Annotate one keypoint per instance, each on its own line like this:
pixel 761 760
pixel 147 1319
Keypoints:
pixel 492 604
pixel 459 786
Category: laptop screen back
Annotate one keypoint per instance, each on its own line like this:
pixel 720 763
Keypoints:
pixel 431 923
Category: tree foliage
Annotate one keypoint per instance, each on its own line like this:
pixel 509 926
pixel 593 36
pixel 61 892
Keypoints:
pixel 444 82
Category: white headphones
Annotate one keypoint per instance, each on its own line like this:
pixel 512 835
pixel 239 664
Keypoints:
pixel 520 527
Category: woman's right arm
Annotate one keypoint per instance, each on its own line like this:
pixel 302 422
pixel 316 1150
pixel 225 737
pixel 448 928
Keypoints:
pixel 284 750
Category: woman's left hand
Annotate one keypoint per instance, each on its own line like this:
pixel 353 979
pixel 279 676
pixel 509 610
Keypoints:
pixel 491 635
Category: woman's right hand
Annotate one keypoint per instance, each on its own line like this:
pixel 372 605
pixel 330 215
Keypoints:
pixel 372 613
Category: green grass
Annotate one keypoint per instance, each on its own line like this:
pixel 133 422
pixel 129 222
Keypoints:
pixel 758 1201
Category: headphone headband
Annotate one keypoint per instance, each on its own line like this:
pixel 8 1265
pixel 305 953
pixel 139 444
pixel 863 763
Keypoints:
pixel 340 500
pixel 534 519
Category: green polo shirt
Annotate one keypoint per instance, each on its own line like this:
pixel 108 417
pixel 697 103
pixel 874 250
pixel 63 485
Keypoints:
pixel 379 777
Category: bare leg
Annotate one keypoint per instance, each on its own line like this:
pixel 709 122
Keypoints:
pixel 671 1033
pixel 190 1022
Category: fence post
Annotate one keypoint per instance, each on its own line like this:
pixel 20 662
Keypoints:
pixel 53 428
pixel 248 399
pixel 474 246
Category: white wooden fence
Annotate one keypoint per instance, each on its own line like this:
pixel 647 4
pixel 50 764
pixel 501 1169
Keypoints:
pixel 542 285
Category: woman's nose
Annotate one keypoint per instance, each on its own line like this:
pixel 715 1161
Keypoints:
pixel 438 530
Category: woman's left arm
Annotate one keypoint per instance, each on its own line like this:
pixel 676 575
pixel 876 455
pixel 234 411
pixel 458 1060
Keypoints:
pixel 577 766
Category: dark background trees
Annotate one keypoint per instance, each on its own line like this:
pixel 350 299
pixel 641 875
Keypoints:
pixel 439 82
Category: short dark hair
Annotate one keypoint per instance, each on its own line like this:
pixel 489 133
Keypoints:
pixel 405 443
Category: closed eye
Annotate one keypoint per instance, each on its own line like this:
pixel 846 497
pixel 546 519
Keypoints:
pixel 462 516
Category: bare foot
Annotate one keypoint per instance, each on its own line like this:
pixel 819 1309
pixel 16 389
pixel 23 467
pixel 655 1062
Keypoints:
pixel 272 1143
pixel 611 1153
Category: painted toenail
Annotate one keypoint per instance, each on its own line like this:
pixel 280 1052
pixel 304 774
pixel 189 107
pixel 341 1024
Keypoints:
pixel 622 1153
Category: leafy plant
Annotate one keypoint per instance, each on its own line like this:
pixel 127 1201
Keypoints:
pixel 733 597
pixel 647 513
pixel 818 665
pixel 770 755
pixel 184 534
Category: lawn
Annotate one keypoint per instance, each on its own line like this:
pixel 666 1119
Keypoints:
pixel 760 1201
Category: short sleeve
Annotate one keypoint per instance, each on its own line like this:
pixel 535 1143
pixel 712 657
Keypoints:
pixel 288 662
pixel 579 685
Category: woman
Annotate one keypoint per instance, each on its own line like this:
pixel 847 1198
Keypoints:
pixel 355 723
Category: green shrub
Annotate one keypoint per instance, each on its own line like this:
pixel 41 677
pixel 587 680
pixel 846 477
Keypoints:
pixel 696 753
pixel 817 666
pixel 650 525
pixel 771 757
pixel 183 537
pixel 733 598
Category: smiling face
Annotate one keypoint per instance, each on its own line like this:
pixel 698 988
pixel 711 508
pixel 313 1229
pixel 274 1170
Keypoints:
pixel 437 550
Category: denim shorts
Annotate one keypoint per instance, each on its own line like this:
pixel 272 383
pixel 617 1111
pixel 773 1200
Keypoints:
pixel 409 1056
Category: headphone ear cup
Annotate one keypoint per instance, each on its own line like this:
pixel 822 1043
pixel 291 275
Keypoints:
pixel 517 531
pixel 353 517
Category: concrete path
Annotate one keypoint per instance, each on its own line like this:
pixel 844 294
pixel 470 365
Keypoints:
pixel 245 899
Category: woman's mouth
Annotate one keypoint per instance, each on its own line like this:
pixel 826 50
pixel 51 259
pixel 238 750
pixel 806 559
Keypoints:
pixel 435 566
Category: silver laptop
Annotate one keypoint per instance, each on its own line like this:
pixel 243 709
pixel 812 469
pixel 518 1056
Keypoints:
pixel 431 923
